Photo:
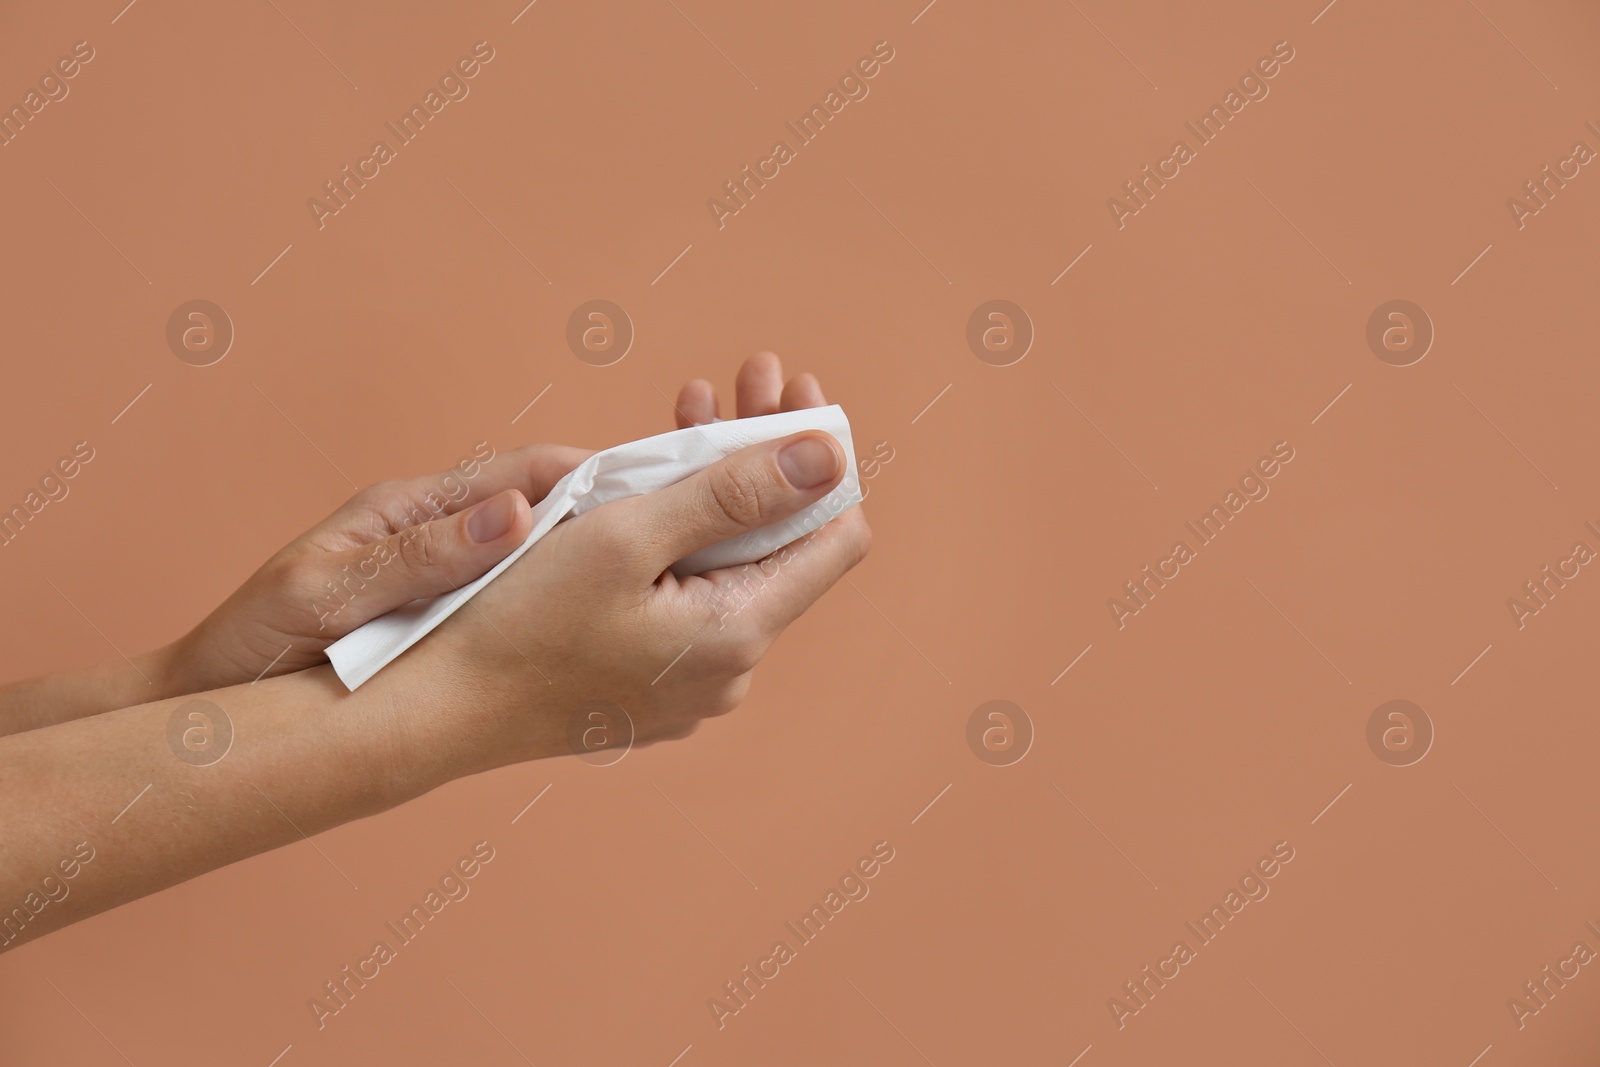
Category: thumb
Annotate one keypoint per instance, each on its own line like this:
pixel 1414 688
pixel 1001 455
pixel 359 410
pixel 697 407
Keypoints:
pixel 421 561
pixel 751 488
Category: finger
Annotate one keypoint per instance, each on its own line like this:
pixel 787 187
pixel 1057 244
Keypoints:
pixel 802 391
pixel 359 584
pixel 532 470
pixel 697 404
pixel 753 487
pixel 775 591
pixel 758 385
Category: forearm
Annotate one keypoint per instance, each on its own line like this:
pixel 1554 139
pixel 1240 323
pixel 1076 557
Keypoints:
pixel 72 694
pixel 305 755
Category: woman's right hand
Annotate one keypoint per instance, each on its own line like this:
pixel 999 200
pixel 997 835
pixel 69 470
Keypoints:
pixel 590 618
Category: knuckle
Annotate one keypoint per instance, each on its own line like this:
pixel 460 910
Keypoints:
pixel 419 547
pixel 372 496
pixel 294 577
pixel 736 493
pixel 389 507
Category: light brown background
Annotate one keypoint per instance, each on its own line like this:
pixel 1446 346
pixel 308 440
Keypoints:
pixel 1207 329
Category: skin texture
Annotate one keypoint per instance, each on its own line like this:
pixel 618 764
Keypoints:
pixel 495 684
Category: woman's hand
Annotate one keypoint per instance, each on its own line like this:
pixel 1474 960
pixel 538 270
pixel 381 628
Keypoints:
pixel 591 620
pixel 388 545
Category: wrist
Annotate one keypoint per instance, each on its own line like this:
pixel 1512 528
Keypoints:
pixel 470 720
pixel 164 673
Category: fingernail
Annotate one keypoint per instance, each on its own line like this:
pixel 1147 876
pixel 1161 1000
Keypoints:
pixel 808 462
pixel 491 519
